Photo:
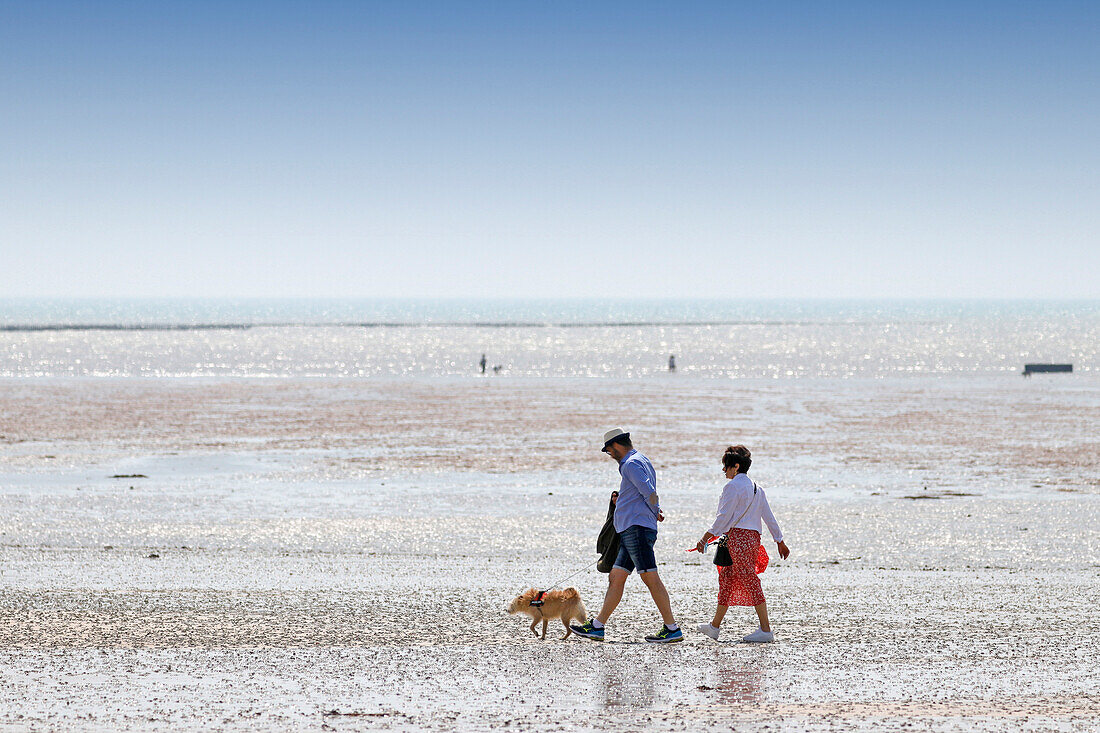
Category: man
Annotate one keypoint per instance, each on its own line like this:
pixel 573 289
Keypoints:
pixel 637 511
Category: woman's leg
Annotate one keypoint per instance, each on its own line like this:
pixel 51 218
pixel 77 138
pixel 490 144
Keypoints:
pixel 762 612
pixel 719 615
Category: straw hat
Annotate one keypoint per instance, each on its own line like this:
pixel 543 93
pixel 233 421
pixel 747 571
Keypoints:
pixel 613 433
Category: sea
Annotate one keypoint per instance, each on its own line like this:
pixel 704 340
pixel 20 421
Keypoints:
pixel 580 338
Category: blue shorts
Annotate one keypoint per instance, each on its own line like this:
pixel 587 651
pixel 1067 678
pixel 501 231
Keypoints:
pixel 636 549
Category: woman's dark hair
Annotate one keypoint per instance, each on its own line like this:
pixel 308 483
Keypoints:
pixel 737 455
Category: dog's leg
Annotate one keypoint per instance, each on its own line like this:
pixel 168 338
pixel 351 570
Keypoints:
pixel 568 629
pixel 545 621
pixel 534 623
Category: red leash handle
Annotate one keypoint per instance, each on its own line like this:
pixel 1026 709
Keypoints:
pixel 712 542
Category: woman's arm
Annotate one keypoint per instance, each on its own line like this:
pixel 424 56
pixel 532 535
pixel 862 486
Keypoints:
pixel 724 515
pixel 701 545
pixel 769 518
pixel 773 526
pixel 727 510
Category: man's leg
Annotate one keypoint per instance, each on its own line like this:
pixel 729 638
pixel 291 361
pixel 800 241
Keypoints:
pixel 660 596
pixel 616 581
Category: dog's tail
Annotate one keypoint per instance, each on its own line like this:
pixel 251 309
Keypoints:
pixel 572 598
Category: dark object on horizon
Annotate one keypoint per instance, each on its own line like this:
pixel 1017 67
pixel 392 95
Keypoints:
pixel 672 362
pixel 482 363
pixel 129 475
pixel 1030 369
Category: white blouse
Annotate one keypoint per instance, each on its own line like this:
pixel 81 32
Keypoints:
pixel 738 500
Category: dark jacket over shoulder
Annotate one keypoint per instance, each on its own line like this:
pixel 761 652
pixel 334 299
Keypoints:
pixel 607 544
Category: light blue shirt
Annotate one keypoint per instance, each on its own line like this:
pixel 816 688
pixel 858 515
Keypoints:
pixel 639 483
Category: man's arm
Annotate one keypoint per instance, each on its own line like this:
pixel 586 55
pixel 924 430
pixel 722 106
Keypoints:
pixel 644 484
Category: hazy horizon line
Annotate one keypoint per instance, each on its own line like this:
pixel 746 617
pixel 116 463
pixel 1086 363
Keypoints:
pixel 561 298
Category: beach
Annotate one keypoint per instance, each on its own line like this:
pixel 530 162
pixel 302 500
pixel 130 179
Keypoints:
pixel 289 553
pixel 314 318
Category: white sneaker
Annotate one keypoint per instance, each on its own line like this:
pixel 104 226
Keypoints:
pixel 759 637
pixel 708 630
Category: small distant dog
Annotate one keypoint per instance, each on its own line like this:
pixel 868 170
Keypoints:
pixel 564 604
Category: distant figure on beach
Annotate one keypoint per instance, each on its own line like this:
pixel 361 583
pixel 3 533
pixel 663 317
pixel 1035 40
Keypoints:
pixel 637 512
pixel 741 509
pixel 497 368
pixel 672 362
pixel 483 362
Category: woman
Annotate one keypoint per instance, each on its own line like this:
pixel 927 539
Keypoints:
pixel 740 511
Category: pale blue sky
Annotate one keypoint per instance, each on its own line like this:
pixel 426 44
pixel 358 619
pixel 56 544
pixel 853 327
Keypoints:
pixel 550 149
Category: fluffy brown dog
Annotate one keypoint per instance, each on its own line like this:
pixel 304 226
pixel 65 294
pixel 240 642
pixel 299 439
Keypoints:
pixel 564 604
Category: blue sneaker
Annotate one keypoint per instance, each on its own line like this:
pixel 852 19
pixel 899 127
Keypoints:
pixel 588 631
pixel 665 636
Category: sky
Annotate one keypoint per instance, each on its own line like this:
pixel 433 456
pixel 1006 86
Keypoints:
pixel 565 149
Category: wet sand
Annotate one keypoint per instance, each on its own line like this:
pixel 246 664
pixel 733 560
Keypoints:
pixel 342 546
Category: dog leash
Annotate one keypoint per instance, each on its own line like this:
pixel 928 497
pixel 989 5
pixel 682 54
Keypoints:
pixel 570 577
pixel 538 601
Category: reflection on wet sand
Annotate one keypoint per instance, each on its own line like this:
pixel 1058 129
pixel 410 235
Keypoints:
pixel 740 684
pixel 629 683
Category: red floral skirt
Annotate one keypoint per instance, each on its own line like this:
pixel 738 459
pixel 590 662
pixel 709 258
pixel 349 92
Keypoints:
pixel 737 583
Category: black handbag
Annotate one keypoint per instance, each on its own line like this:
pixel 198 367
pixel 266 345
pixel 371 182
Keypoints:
pixel 722 556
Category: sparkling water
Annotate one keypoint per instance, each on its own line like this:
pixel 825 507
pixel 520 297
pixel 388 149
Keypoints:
pixel 578 338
